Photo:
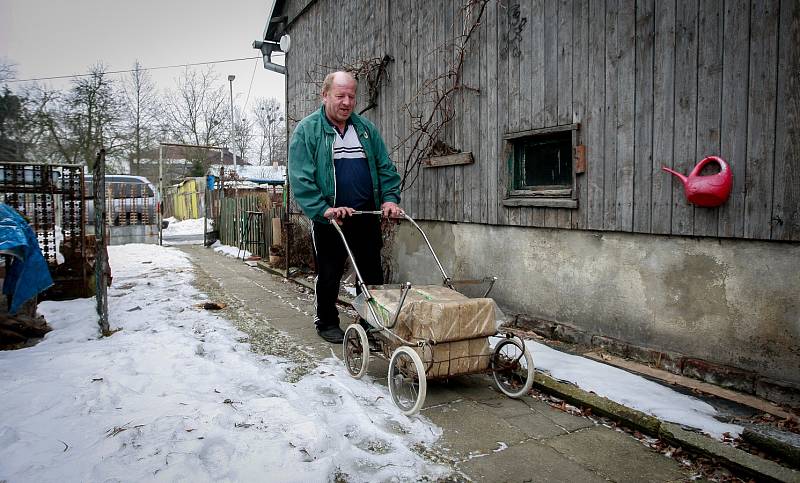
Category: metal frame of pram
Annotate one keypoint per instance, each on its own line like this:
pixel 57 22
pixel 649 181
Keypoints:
pixel 408 375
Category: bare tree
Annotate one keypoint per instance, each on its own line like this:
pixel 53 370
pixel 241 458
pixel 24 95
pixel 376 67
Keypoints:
pixel 270 131
pixel 8 70
pixel 94 113
pixel 49 137
pixel 141 112
pixel 242 133
pixel 196 114
pixel 71 126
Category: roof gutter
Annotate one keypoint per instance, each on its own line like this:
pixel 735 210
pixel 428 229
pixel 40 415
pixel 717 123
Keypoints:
pixel 269 44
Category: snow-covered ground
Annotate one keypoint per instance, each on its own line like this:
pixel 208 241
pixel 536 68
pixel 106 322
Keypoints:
pixel 630 390
pixel 177 396
pixel 192 226
pixel 230 251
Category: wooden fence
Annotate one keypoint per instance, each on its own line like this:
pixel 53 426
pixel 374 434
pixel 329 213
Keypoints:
pixel 253 233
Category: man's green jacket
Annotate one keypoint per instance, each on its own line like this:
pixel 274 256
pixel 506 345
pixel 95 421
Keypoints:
pixel 312 174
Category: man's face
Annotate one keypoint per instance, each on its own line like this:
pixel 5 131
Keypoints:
pixel 340 100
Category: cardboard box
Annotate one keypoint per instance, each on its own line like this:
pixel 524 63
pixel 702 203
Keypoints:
pixel 454 358
pixel 432 312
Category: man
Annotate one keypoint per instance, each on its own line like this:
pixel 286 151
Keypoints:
pixel 338 164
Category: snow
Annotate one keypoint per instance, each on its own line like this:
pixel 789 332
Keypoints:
pixel 175 395
pixel 630 390
pixel 192 226
pixel 178 395
pixel 230 251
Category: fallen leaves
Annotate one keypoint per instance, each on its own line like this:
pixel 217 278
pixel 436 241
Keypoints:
pixel 212 305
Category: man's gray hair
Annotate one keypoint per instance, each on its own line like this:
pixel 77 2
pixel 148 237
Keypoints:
pixel 328 82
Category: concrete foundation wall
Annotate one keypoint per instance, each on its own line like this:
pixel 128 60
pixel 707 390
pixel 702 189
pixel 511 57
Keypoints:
pixel 731 302
pixel 122 235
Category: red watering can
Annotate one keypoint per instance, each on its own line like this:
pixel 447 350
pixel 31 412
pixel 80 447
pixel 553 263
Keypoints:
pixel 709 191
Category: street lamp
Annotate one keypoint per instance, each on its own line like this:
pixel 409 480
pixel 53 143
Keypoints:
pixel 235 174
pixel 230 82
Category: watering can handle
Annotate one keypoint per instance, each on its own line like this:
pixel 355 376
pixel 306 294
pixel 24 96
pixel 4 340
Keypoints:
pixel 723 166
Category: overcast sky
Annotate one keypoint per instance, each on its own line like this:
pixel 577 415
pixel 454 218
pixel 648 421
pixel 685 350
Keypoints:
pixel 64 37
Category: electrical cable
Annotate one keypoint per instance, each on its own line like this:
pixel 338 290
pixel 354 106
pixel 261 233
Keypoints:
pixel 247 99
pixel 131 70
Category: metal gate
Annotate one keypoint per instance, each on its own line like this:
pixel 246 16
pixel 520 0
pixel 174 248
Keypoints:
pixel 50 197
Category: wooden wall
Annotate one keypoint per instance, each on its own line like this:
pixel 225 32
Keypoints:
pixel 651 83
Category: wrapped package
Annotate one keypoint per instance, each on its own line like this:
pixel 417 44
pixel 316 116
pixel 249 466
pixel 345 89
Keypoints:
pixel 435 313
pixel 454 358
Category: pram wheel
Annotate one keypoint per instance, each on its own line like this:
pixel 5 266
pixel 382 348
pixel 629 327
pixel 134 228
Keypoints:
pixel 407 383
pixel 355 350
pixel 511 377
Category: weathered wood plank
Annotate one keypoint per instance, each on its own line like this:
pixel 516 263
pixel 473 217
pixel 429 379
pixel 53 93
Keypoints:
pixel 786 211
pixel 595 122
pixel 733 139
pixel 550 217
pixel 761 119
pixel 663 114
pixel 709 101
pixel 473 120
pixel 534 132
pixel 502 96
pixel 643 135
pixel 459 122
pixel 425 13
pixel 550 63
pixel 486 87
pixel 580 65
pixel 612 92
pixel 446 184
pixel 565 77
pixel 412 18
pixel 564 82
pixel 685 112
pixel 503 102
pixel 626 82
pixel 532 74
pixel 408 82
pixel 492 158
pixel 531 77
pixel 444 176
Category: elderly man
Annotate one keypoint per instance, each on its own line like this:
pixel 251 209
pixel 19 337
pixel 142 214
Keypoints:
pixel 338 164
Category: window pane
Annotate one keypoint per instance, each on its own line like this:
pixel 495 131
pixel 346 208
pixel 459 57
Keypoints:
pixel 548 162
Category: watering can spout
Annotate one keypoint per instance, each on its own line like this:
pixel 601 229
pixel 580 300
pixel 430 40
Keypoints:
pixel 683 178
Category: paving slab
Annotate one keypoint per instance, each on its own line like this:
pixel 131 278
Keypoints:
pixel 470 429
pixel 528 462
pixel 611 454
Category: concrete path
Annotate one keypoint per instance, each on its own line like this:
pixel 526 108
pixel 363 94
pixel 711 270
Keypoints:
pixel 487 436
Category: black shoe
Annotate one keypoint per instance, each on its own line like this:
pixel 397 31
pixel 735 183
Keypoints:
pixel 334 335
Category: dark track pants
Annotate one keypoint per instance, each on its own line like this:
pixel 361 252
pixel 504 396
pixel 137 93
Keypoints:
pixel 363 233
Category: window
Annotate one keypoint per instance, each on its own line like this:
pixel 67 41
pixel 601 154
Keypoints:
pixel 542 167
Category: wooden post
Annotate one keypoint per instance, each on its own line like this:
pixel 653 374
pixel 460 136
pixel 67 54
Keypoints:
pixel 101 267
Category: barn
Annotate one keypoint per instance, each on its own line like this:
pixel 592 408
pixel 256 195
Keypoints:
pixel 531 136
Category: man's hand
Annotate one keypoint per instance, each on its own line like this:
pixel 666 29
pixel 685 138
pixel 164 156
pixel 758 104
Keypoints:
pixel 391 210
pixel 338 214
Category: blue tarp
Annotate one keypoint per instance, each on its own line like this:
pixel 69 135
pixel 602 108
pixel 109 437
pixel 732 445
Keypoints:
pixel 28 274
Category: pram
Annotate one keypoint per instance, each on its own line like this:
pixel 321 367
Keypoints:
pixel 431 332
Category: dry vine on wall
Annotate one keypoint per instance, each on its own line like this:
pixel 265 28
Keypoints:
pixel 428 124
pixel 370 72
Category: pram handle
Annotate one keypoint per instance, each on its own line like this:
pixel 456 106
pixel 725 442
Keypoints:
pixel 406 287
pixel 446 280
